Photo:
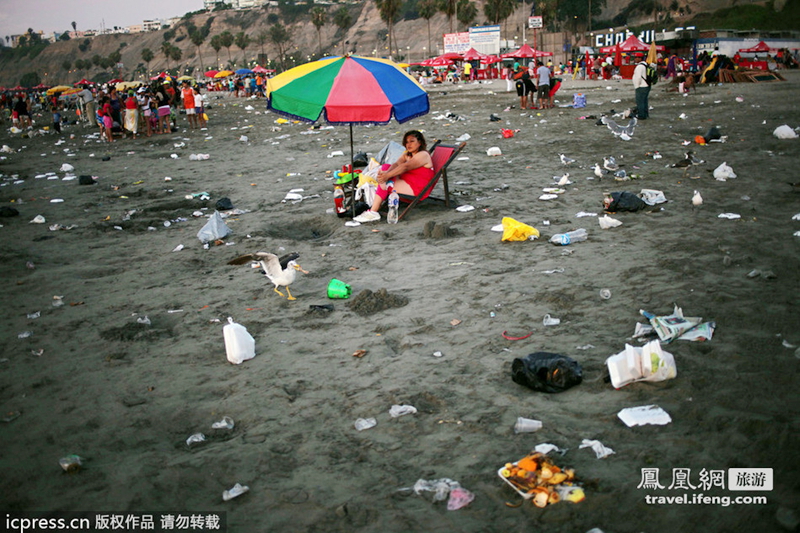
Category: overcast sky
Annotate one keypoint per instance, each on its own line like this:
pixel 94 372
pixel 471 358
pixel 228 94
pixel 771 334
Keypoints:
pixel 16 16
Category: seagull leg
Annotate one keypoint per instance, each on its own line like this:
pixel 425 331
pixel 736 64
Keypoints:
pixel 290 294
pixel 279 292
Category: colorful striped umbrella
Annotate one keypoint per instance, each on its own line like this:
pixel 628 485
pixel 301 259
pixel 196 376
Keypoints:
pixel 347 90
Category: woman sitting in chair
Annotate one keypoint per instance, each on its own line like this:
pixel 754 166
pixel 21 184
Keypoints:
pixel 408 175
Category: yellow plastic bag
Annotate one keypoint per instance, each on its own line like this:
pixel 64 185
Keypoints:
pixel 517 231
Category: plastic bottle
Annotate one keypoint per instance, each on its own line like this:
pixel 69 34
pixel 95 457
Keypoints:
pixel 568 238
pixel 338 199
pixel 394 204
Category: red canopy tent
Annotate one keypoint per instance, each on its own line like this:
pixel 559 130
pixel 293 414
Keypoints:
pixel 84 81
pixel 526 51
pixel 631 44
pixel 472 55
pixel 760 48
pixel 451 55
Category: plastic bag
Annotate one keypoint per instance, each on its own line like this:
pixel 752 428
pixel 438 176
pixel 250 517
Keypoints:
pixel 390 153
pixel 214 229
pixel 239 344
pixel 517 231
pixel 724 172
pixel 546 372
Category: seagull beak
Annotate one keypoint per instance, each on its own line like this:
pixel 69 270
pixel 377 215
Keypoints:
pixel 297 267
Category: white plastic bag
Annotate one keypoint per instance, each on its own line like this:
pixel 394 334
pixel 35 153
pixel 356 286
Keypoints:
pixel 607 222
pixel 784 132
pixel 648 363
pixel 723 172
pixel 214 229
pixel 239 344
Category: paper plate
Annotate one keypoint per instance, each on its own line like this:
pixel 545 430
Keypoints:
pixel 548 197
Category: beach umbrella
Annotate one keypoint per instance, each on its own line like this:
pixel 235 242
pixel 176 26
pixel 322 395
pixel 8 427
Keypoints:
pixel 652 56
pixel 258 69
pixel 186 78
pixel 211 73
pixel 58 89
pixel 347 90
pixel 223 74
pixel 115 80
pixel 452 55
pixel 84 81
pixel 437 62
pixel 243 72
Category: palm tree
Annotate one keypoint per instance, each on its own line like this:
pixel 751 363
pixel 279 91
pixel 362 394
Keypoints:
pixel 261 38
pixel 318 19
pixel 448 7
pixel 343 20
pixel 427 10
pixel 147 57
pixel 280 37
pixel 166 49
pixel 243 41
pixel 389 10
pixel 216 44
pixel 226 39
pixel 467 12
pixel 197 39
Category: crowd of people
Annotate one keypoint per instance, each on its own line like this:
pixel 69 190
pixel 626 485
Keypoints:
pixel 147 110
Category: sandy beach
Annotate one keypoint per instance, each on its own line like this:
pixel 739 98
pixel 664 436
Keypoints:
pixel 88 378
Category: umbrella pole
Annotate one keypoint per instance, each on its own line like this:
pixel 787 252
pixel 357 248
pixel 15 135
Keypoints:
pixel 352 173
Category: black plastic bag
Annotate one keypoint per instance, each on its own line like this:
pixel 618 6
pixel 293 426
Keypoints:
pixel 546 372
pixel 360 160
pixel 625 201
pixel 224 204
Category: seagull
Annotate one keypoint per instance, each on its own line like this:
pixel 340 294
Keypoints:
pixel 697 199
pixel 621 175
pixel 609 163
pixel 566 160
pixel 687 162
pixel 624 132
pixel 563 180
pixel 280 271
pixel 600 172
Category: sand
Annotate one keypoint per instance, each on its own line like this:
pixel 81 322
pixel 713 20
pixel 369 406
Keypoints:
pixel 90 380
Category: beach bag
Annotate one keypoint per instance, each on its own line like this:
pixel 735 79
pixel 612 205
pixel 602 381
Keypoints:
pixel 546 372
pixel 578 100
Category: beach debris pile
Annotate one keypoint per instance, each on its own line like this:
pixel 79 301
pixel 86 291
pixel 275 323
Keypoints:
pixel 536 477
pixel 444 489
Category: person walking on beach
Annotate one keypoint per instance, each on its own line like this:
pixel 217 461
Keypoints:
pixel 642 89
pixel 543 75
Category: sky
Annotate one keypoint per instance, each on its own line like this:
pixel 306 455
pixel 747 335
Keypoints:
pixel 16 16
